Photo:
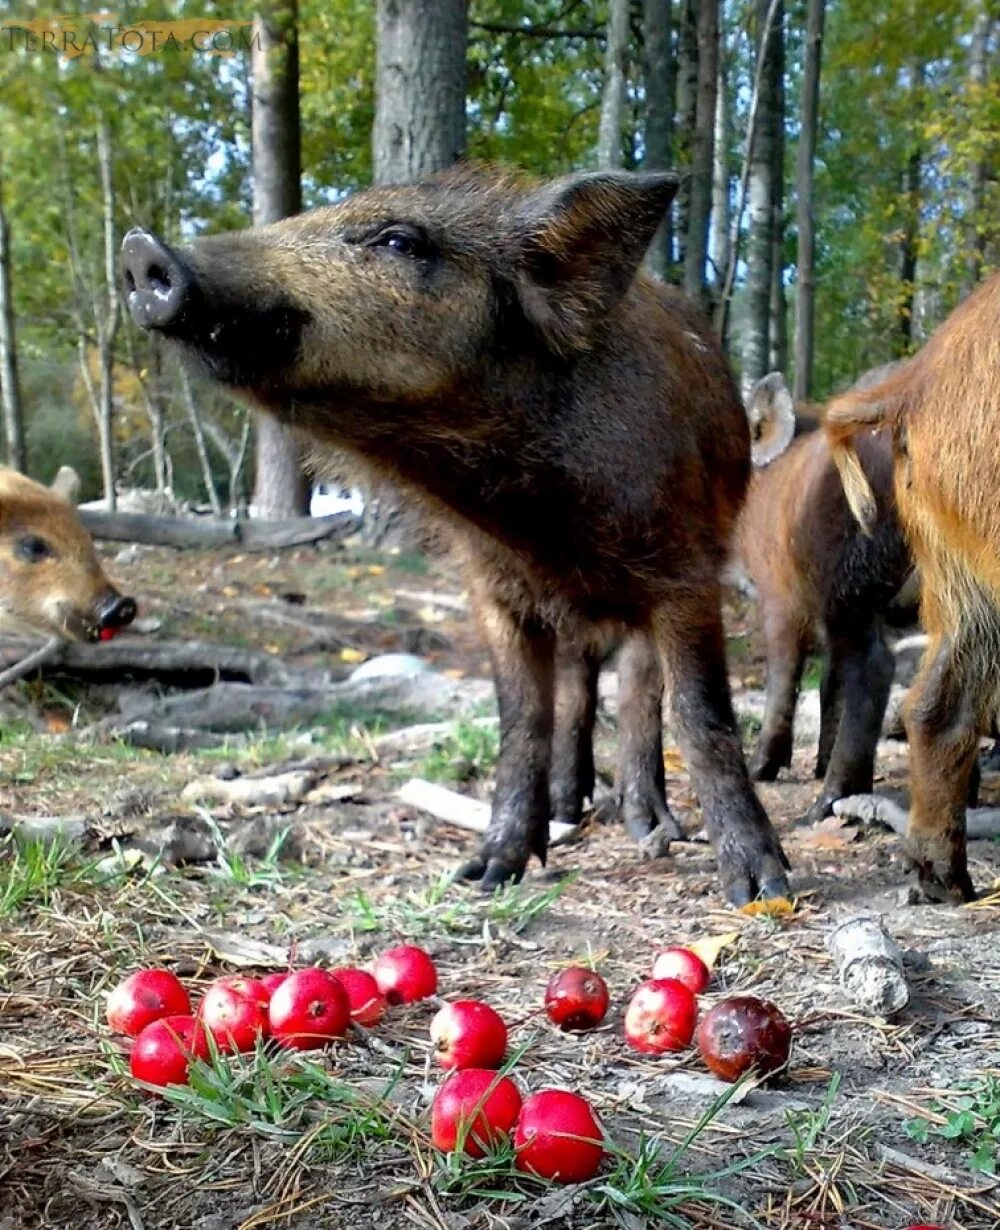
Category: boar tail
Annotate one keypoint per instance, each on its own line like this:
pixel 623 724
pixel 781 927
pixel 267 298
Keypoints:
pixel 845 417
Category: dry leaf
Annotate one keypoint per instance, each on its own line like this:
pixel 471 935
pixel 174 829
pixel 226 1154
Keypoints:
pixel 454 672
pixel 352 655
pixel 773 907
pixel 710 947
pixel 673 761
pixel 56 723
pixel 833 833
pixel 376 570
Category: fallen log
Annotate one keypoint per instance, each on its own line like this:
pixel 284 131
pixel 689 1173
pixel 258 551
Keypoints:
pixel 981 823
pixel 463 812
pixel 203 532
pixel 186 663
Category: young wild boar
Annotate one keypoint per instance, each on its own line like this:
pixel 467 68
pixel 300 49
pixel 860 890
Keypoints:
pixel 940 411
pixel 51 581
pixel 819 578
pixel 490 345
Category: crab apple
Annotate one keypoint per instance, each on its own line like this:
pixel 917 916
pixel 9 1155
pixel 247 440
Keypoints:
pixel 473 1110
pixel 144 997
pixel 741 1033
pixel 558 1137
pixel 366 1001
pixel 576 998
pixel 235 1013
pixel 685 966
pixel 271 982
pixel 661 1016
pixel 163 1052
pixel 405 974
pixel 308 1010
pixel 469 1034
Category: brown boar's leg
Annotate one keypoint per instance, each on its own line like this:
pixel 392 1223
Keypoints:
pixel 948 700
pixel 690 638
pixel 522 653
pixel 571 778
pixel 831 702
pixel 786 652
pixel 640 785
pixel 865 666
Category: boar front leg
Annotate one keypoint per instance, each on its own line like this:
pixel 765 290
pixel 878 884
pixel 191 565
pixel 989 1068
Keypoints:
pixel 689 635
pixel 786 651
pixel 522 652
pixel 572 776
pixel 640 785
pixel 943 716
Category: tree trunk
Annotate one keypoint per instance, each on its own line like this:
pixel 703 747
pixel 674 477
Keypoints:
pixel 420 86
pixel 979 59
pixel 280 488
pixel 10 386
pixel 805 284
pixel 908 254
pixel 109 319
pixel 778 327
pixel 609 137
pixel 660 73
pixel 760 241
pixel 194 418
pixel 687 105
pixel 700 200
pixel 718 240
pixel 420 79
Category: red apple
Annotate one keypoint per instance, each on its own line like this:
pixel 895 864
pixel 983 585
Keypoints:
pixel 685 966
pixel 474 1108
pixel 162 1054
pixel 743 1033
pixel 235 1013
pixel 558 1137
pixel 271 982
pixel 469 1034
pixel 309 1009
pixel 576 998
pixel 405 974
pixel 661 1016
pixel 366 1001
pixel 144 997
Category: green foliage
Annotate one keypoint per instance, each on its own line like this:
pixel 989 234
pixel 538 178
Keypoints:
pixel 971 1120
pixel 468 754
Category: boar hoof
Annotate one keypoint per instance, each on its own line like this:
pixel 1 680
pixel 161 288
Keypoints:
pixel 648 815
pixel 765 765
pixel 821 808
pixel 943 879
pixel 491 872
pixel 753 869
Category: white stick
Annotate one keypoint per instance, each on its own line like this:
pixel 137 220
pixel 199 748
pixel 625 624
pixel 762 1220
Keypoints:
pixel 43 654
pixel 460 810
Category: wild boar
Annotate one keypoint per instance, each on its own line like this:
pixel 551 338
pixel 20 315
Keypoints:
pixel 51 581
pixel 490 346
pixel 940 412
pixel 821 581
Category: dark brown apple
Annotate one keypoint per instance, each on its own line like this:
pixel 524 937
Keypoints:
pixel 743 1033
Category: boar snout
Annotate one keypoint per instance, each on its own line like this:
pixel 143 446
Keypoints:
pixel 157 286
pixel 115 611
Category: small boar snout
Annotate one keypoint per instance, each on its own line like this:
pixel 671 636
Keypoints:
pixel 115 611
pixel 157 286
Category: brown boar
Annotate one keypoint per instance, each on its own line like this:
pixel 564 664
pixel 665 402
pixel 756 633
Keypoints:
pixel 489 345
pixel 51 581
pixel 940 411
pixel 821 581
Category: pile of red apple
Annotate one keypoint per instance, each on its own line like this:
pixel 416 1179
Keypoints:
pixel 554 1132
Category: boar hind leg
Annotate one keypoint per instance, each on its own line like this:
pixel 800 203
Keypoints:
pixel 690 638
pixel 572 774
pixel 865 665
pixel 948 700
pixel 522 653
pixel 640 785
pixel 786 650
pixel 831 703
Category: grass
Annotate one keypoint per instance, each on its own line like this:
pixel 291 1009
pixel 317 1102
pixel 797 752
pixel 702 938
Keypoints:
pixel 31 871
pixel 470 753
pixel 812 674
pixel 807 1126
pixel 970 1118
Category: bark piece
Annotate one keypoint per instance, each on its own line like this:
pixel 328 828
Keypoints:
pixel 869 965
pixel 275 791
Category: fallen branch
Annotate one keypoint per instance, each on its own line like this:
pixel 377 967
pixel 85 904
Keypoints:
pixel 869 965
pixel 463 812
pixel 202 532
pixel 981 823
pixel 274 791
pixel 40 657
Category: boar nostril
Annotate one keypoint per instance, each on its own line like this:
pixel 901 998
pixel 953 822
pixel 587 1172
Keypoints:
pixel 116 611
pixel 157 285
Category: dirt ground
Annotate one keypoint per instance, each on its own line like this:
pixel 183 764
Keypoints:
pixel 876 1123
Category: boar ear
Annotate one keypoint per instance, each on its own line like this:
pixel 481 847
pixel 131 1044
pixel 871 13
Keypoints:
pixel 771 415
pixel 582 240
pixel 67 484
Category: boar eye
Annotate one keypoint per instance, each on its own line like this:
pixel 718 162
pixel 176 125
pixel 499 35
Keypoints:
pixel 32 549
pixel 404 242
